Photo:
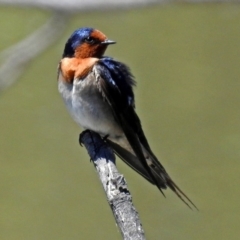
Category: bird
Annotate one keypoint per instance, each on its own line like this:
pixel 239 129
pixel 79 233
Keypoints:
pixel 98 92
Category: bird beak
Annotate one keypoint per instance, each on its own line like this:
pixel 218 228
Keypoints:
pixel 107 42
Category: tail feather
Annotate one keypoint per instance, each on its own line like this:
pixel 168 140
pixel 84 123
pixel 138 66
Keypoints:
pixel 161 178
pixel 181 194
pixel 159 172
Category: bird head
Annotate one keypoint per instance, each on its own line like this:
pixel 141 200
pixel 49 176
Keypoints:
pixel 85 43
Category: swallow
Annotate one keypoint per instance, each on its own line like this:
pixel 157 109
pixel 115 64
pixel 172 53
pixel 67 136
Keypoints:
pixel 98 92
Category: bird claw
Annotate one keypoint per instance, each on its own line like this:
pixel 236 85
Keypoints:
pixel 81 137
pixel 105 137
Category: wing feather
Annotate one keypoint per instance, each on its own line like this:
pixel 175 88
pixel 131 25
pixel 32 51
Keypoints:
pixel 115 83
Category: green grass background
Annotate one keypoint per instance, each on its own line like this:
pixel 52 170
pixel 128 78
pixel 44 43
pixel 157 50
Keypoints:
pixel 186 60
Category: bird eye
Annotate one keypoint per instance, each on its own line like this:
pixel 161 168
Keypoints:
pixel 89 40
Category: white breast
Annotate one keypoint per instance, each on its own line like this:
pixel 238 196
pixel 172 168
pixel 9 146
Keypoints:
pixel 87 106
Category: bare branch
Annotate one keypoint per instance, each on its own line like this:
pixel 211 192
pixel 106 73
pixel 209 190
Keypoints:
pixel 114 185
pixel 80 5
pixel 17 56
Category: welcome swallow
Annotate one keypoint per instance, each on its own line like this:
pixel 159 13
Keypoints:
pixel 98 92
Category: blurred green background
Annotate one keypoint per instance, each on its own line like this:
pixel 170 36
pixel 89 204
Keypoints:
pixel 186 62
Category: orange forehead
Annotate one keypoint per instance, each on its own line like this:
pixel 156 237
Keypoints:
pixel 98 35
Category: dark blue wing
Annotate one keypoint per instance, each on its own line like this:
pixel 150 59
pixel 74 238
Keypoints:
pixel 118 87
pixel 115 84
pixel 118 76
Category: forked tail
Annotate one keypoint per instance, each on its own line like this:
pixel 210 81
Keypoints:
pixel 172 185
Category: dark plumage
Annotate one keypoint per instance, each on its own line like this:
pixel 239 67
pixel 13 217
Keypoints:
pixel 109 107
